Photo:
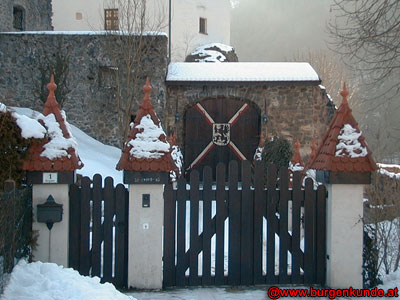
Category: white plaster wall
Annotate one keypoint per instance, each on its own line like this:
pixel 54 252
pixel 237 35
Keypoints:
pixel 344 235
pixel 59 232
pixel 185 36
pixel 185 25
pixel 145 245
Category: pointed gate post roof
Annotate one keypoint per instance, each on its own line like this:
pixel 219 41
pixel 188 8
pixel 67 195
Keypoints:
pixel 60 155
pixel 296 159
pixel 147 148
pixel 343 149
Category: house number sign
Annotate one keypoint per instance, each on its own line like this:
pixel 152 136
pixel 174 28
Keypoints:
pixel 50 177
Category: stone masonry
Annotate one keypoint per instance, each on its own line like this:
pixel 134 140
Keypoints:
pixel 36 14
pixel 90 103
pixel 295 110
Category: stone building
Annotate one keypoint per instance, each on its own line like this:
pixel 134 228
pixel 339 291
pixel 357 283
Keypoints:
pixel 276 99
pixel 242 100
pixel 20 15
pixel 89 68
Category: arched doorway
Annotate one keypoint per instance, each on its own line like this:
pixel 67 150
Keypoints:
pixel 220 130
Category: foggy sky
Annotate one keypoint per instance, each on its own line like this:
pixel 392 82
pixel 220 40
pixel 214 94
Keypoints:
pixel 275 30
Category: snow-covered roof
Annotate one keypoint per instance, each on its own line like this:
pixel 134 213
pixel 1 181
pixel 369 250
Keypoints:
pixel 241 71
pixel 99 32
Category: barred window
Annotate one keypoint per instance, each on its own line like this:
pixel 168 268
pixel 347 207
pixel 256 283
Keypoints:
pixel 203 25
pixel 18 21
pixel 111 19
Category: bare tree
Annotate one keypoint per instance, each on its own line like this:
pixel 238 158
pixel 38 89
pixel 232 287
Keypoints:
pixel 382 210
pixel 129 47
pixel 333 73
pixel 367 32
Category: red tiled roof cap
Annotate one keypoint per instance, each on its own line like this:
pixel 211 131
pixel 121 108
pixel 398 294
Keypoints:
pixel 325 157
pixel 130 163
pixel 36 162
pixel 296 159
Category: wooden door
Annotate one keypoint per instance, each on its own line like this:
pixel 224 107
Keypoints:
pixel 220 130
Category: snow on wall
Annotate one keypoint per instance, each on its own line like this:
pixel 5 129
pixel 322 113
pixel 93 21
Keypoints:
pixel 147 143
pixel 177 157
pixel 245 71
pixel 348 143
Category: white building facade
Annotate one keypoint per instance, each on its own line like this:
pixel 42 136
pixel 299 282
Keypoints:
pixel 193 22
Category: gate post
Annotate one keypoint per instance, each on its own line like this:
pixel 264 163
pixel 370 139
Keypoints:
pixel 146 215
pixel 345 230
pixel 343 161
pixel 52 244
pixel 146 161
pixel 51 168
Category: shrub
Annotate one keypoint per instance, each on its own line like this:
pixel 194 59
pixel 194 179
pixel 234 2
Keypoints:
pixel 277 151
pixel 13 149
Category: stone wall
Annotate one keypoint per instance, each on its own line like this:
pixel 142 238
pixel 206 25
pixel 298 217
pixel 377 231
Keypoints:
pixel 90 101
pixel 295 110
pixel 37 14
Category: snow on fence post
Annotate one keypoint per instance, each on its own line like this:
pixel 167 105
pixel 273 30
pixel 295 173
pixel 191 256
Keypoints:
pixel 344 163
pixel 146 161
pixel 51 169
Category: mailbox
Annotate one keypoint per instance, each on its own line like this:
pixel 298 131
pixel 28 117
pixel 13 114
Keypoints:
pixel 49 212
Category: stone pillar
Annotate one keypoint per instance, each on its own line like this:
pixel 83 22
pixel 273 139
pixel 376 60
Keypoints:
pixel 345 229
pixel 146 216
pixel 53 244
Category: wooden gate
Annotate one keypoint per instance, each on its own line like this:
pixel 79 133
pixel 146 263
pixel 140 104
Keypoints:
pixel 98 236
pixel 220 130
pixel 244 233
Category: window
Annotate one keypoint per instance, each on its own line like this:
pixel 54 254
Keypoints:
pixel 18 21
pixel 203 26
pixel 107 76
pixel 111 19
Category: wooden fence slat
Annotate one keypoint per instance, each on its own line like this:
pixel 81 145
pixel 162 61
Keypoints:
pixel 194 229
pixel 220 223
pixel 74 226
pixel 169 236
pixel 259 211
pixel 109 209
pixel 271 223
pixel 121 226
pixel 208 228
pixel 297 254
pixel 181 231
pixel 309 235
pixel 234 225
pixel 85 221
pixel 321 235
pixel 97 237
pixel 246 253
pixel 283 226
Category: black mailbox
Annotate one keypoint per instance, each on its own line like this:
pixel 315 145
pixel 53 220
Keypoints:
pixel 49 212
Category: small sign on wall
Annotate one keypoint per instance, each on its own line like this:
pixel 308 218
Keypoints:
pixel 50 177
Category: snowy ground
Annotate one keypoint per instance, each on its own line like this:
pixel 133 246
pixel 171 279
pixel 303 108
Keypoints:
pixel 47 281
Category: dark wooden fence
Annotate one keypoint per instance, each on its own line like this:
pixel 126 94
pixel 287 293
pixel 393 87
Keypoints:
pixel 262 216
pixel 98 235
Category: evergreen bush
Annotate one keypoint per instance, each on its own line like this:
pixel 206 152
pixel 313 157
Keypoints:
pixel 277 151
pixel 370 258
pixel 13 149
